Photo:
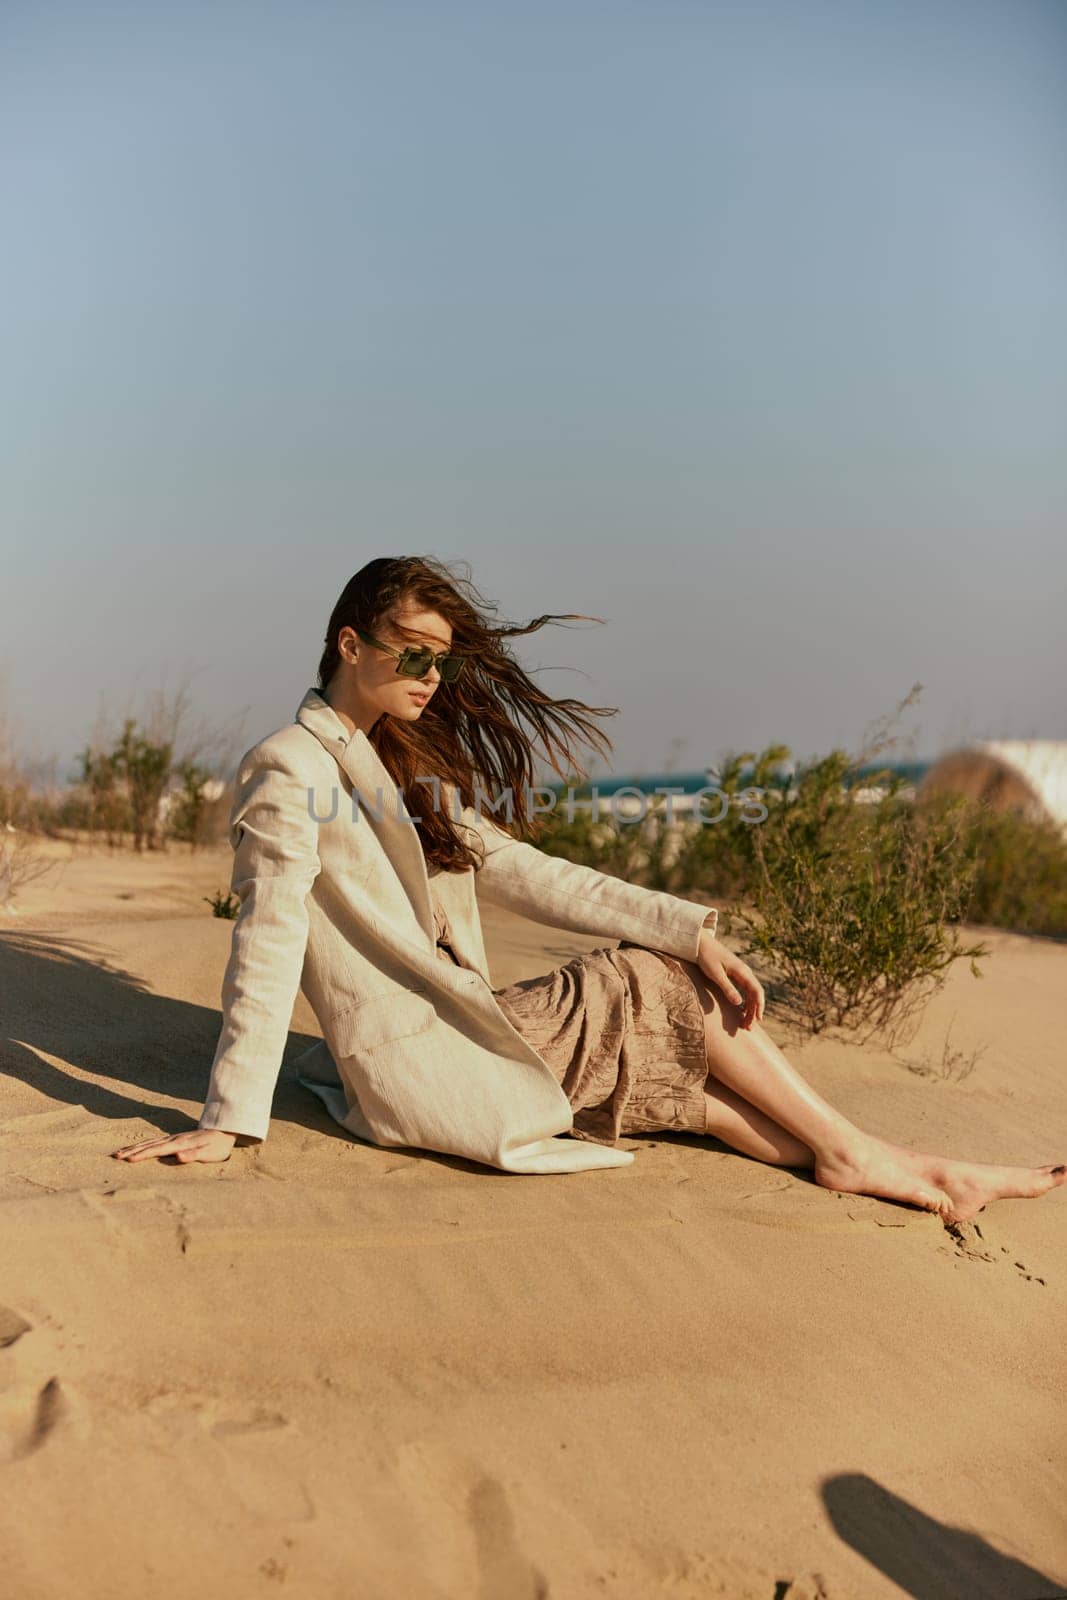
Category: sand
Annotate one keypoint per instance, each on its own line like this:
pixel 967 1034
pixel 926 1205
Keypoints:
pixel 327 1369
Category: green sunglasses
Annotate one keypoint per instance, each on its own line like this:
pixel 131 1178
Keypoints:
pixel 415 660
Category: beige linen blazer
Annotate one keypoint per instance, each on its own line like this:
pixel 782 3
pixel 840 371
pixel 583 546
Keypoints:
pixel 335 900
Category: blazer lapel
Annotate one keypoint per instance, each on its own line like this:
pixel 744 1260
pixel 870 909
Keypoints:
pixel 363 767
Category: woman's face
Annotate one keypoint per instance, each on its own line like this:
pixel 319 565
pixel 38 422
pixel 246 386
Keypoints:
pixel 373 679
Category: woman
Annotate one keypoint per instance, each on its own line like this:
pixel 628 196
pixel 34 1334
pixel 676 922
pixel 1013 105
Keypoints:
pixel 378 923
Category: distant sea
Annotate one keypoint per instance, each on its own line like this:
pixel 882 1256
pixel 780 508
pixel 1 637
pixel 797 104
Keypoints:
pixel 690 782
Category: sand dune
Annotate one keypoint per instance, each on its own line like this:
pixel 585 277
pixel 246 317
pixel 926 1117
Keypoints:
pixel 327 1369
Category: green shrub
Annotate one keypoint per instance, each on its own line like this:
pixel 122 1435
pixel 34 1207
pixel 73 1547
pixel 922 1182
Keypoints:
pixel 850 902
pixel 145 764
pixel 1021 872
pixel 854 904
pixel 223 905
pixel 189 814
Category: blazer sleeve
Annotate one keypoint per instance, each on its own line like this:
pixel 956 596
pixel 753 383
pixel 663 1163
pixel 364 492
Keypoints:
pixel 565 894
pixel 275 842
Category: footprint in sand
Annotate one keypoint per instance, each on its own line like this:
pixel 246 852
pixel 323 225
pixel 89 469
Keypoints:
pixel 478 1504
pixel 260 1422
pixel 503 1568
pixel 247 1450
pixel 27 1414
pixel 12 1326
pixel 805 1209
pixel 970 1242
pixel 27 1419
pixel 207 1413
pixel 811 1587
pixel 106 1206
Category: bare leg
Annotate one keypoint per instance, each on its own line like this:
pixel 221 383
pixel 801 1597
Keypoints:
pixel 748 1062
pixel 739 1123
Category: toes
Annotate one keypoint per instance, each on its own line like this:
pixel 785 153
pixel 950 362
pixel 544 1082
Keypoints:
pixel 933 1200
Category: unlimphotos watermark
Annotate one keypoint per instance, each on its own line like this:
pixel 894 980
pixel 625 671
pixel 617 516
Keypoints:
pixel 706 805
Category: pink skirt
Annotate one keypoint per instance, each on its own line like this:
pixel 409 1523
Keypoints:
pixel 623 1031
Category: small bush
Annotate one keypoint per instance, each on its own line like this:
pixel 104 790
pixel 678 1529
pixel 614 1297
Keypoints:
pixel 1021 872
pixel 188 817
pixel 848 889
pixel 21 863
pixel 223 906
pixel 854 905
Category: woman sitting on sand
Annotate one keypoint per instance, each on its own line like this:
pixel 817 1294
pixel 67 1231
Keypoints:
pixel 376 917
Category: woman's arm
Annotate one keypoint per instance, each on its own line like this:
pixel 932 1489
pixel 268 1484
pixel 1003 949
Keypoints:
pixel 564 894
pixel 275 842
pixel 275 864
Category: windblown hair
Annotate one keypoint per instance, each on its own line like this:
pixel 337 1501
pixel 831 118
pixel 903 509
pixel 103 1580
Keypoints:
pixel 471 731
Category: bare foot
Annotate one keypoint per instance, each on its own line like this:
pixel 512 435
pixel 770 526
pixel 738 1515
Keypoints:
pixel 970 1185
pixel 955 1190
pixel 872 1167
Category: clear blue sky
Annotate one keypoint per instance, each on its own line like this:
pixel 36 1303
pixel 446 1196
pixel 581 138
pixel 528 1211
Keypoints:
pixel 739 325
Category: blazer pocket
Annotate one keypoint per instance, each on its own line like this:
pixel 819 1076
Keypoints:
pixel 378 1020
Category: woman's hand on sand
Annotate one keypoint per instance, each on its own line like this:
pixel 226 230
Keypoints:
pixel 736 980
pixel 199 1144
